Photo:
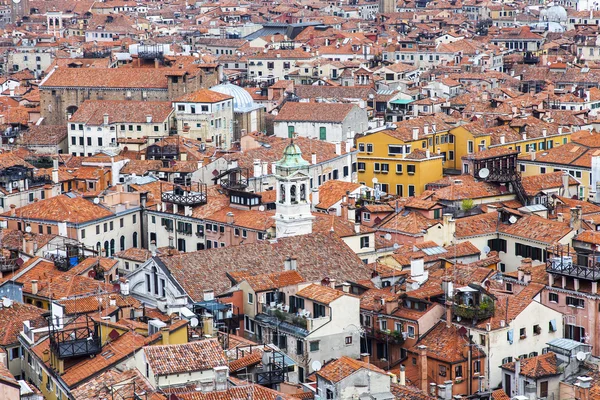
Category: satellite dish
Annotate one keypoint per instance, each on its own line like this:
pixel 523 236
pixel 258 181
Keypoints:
pixel 374 180
pixel 512 219
pixel 316 365
pixel 396 246
pixel 27 229
pixel 484 173
pixel 388 236
pixel 261 208
pixel 194 322
pixel 11 140
pixel 580 354
pixel 96 200
pixel 6 302
pixel 486 249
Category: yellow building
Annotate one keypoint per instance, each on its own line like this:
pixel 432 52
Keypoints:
pixel 400 160
pixel 525 135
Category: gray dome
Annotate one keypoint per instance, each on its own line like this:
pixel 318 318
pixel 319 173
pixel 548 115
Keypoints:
pixel 242 101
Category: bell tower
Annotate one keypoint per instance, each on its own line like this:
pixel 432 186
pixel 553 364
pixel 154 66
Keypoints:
pixel 18 9
pixel 293 208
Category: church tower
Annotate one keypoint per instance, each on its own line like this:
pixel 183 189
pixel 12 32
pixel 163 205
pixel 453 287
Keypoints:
pixel 387 6
pixel 293 208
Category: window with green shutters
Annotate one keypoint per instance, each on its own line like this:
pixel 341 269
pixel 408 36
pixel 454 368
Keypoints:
pixel 290 131
pixel 323 133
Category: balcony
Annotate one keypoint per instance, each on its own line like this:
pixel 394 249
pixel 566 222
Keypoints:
pixel 284 316
pixel 482 311
pixel 76 340
pixel 283 321
pixel 564 265
pixel 474 303
pixel 191 195
pixel 386 336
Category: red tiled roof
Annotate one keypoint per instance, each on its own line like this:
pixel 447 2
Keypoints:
pixel 183 358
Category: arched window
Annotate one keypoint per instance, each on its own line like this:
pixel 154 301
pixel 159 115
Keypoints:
pixel 303 192
pixel 135 243
pixel 112 247
pixel 106 249
pixel 122 243
pixel 282 193
pixel 155 279
pixel 293 198
pixel 98 247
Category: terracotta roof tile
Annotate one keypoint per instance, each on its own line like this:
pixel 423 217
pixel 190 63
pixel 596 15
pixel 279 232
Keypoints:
pixel 11 321
pixel 333 191
pixel 195 271
pixel 537 367
pixel 317 112
pixel 195 356
pixel 62 208
pixel 343 367
pixel 92 112
pixel 263 282
pixel 447 344
pixel 319 293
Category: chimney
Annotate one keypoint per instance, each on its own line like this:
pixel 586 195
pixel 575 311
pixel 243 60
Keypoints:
pixel 364 357
pixel 417 267
pixel 346 287
pixel 576 218
pixel 448 229
pixel 448 312
pixel 229 218
pixel 105 119
pixel 565 182
pixel 313 158
pixel 314 197
pixel 338 148
pixel 13 213
pixel 582 388
pixel 415 133
pixel 257 168
pixel 125 288
pixel 518 377
pixel 544 132
pixel 165 335
pixel 560 217
pixel 423 367
pixel 502 139
pixel 208 295
pixel 265 168
pixel 290 264
pixel 402 377
pixel 34 287
pixel 54 171
pixel 148 119
pixel 425 130
pixel 332 283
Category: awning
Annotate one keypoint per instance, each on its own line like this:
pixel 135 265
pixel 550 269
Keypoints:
pixel 401 101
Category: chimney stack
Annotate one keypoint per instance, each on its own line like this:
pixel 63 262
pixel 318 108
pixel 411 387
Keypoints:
pixel 576 218
pixel 424 384
pixel 402 378
pixel 34 287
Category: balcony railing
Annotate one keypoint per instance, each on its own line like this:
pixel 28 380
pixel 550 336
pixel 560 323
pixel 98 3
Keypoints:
pixel 565 266
pixel 186 195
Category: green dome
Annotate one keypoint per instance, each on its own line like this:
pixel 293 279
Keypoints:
pixel 292 157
